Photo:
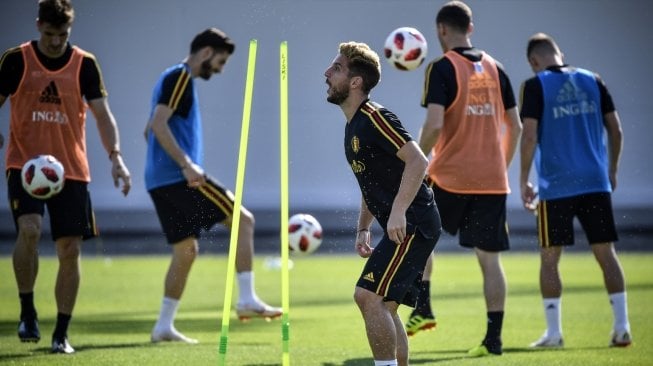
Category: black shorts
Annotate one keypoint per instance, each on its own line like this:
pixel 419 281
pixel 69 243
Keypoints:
pixel 555 219
pixel 70 211
pixel 184 211
pixel 479 218
pixel 395 271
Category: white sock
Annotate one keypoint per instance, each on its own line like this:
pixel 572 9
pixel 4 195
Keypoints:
pixel 619 303
pixel 553 314
pixel 167 315
pixel 246 287
pixel 385 363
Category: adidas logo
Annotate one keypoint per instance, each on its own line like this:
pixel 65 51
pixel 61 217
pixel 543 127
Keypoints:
pixel 550 307
pixel 50 94
pixel 570 93
pixel 369 277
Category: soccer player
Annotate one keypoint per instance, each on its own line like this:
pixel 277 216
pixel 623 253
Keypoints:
pixel 47 81
pixel 185 198
pixel 389 167
pixel 472 128
pixel 566 112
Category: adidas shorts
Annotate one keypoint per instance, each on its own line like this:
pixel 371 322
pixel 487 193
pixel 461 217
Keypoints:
pixel 480 219
pixel 70 211
pixel 555 218
pixel 183 211
pixel 395 271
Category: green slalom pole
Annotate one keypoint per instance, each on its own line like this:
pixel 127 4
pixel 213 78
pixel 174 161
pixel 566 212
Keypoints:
pixel 238 199
pixel 285 286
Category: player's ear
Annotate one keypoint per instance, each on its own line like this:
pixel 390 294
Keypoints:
pixel 356 82
pixel 206 53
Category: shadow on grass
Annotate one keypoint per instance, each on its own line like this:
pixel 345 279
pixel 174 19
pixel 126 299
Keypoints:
pixel 44 350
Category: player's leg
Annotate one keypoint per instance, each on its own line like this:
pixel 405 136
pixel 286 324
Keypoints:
pixel 615 284
pixel 551 290
pixel 183 256
pixel 27 213
pixel 402 337
pixel 249 305
pixel 379 324
pixel 71 221
pixel 26 264
pixel 555 230
pixel 494 291
pixel 176 206
pixel 66 289
pixel 596 217
pixel 484 228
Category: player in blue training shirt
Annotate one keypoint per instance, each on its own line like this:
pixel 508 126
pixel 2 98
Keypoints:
pixel 186 200
pixel 566 112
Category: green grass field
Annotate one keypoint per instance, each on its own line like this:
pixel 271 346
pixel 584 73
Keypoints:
pixel 120 297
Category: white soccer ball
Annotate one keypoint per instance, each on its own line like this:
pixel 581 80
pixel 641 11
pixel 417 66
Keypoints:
pixel 405 48
pixel 42 176
pixel 304 234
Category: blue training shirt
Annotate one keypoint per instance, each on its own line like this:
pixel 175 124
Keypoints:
pixel 571 156
pixel 175 90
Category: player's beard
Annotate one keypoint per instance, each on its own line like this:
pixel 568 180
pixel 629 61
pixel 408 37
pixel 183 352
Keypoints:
pixel 337 95
pixel 206 70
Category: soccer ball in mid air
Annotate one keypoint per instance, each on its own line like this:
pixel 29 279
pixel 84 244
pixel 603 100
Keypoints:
pixel 405 48
pixel 304 234
pixel 42 176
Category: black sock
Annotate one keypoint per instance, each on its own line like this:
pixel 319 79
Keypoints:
pixel 27 309
pixel 424 299
pixel 494 325
pixel 61 329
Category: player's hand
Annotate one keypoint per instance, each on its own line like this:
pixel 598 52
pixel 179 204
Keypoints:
pixel 363 247
pixel 396 227
pixel 529 196
pixel 194 175
pixel 120 172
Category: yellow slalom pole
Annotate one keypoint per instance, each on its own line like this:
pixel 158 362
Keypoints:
pixel 238 199
pixel 285 285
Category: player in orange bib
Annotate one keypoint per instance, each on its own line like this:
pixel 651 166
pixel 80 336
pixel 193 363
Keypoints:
pixel 472 129
pixel 49 84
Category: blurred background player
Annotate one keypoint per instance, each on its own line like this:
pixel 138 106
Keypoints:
pixel 52 77
pixel 187 200
pixel 390 168
pixel 472 129
pixel 566 112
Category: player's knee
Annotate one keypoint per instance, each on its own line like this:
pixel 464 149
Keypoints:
pixel 364 298
pixel 68 251
pixel 247 218
pixel 29 233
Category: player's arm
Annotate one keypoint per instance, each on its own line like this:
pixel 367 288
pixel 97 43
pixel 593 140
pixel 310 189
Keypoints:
pixel 363 235
pixel 528 144
pixel 411 179
pixel 615 144
pixel 108 130
pixel 511 137
pixel 159 125
pixel 430 131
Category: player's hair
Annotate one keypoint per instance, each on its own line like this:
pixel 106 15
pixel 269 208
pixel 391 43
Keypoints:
pixel 456 15
pixel 363 62
pixel 214 38
pixel 542 44
pixel 56 12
